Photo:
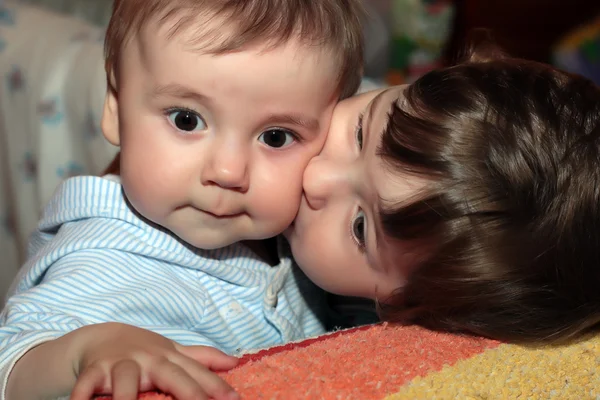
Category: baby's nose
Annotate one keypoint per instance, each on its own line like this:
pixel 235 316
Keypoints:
pixel 323 179
pixel 227 167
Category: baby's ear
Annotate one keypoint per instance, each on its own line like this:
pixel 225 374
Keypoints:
pixel 481 47
pixel 110 114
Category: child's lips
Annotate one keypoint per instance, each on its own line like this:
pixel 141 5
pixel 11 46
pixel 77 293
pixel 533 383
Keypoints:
pixel 222 216
pixel 216 215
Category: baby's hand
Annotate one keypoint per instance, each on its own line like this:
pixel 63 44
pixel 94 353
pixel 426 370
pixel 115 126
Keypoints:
pixel 123 360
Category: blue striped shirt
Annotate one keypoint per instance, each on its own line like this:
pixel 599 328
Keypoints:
pixel 94 260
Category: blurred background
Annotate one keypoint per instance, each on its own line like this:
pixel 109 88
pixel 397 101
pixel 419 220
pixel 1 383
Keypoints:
pixel 52 81
pixel 400 31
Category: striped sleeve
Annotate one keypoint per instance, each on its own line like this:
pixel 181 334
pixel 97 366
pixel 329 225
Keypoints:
pixel 95 286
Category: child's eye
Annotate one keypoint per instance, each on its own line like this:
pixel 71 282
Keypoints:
pixel 358 229
pixel 359 132
pixel 186 120
pixel 277 138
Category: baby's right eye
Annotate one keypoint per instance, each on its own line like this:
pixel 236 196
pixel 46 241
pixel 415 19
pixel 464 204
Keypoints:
pixel 277 138
pixel 186 120
pixel 359 132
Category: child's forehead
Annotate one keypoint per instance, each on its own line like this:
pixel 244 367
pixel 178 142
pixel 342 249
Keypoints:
pixel 155 46
pixel 211 33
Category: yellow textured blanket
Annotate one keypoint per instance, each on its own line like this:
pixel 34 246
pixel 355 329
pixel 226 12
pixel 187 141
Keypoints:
pixel 393 363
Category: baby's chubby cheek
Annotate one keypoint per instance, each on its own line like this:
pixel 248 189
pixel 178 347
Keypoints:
pixel 142 195
pixel 277 187
pixel 276 209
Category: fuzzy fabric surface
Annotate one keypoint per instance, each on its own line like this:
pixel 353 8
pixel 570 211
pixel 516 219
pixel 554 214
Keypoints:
pixel 392 363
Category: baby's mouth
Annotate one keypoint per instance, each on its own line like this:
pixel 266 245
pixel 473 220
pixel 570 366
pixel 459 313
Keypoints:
pixel 222 216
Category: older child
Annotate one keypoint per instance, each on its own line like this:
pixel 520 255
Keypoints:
pixel 217 107
pixel 467 201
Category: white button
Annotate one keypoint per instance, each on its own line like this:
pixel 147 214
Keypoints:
pixel 271 297
pixel 234 308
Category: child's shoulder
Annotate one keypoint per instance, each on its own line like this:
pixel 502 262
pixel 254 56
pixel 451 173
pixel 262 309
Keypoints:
pixel 83 197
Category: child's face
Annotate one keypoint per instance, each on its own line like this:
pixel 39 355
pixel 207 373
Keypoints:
pixel 337 237
pixel 213 147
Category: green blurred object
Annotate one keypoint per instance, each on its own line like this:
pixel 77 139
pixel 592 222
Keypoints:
pixel 579 50
pixel 420 30
pixel 402 48
pixel 591 49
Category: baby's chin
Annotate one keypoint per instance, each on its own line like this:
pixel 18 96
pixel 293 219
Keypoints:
pixel 208 244
pixel 209 239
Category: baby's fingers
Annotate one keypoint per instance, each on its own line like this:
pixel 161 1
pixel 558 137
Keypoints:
pixel 125 380
pixel 89 382
pixel 185 379
pixel 210 357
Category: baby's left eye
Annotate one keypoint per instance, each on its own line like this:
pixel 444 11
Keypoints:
pixel 187 121
pixel 277 138
pixel 358 229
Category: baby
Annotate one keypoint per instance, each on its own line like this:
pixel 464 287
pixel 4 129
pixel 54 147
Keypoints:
pixel 136 279
pixel 467 201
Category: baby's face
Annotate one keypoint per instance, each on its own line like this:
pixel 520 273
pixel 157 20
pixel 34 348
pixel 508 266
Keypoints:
pixel 213 147
pixel 337 237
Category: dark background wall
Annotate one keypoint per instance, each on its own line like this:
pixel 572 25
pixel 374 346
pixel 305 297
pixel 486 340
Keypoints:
pixel 525 28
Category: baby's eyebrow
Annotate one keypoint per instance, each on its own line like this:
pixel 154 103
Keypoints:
pixel 294 119
pixel 368 113
pixel 375 103
pixel 380 235
pixel 179 91
pixel 378 208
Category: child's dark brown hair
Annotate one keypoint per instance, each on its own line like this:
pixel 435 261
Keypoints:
pixel 511 219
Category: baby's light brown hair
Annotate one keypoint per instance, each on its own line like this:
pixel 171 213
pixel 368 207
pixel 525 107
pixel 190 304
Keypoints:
pixel 331 24
pixel 335 24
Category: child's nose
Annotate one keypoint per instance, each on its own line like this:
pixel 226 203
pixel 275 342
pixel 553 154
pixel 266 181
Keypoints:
pixel 323 179
pixel 227 166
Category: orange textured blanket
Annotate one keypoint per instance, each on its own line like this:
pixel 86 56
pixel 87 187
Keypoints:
pixel 391 362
